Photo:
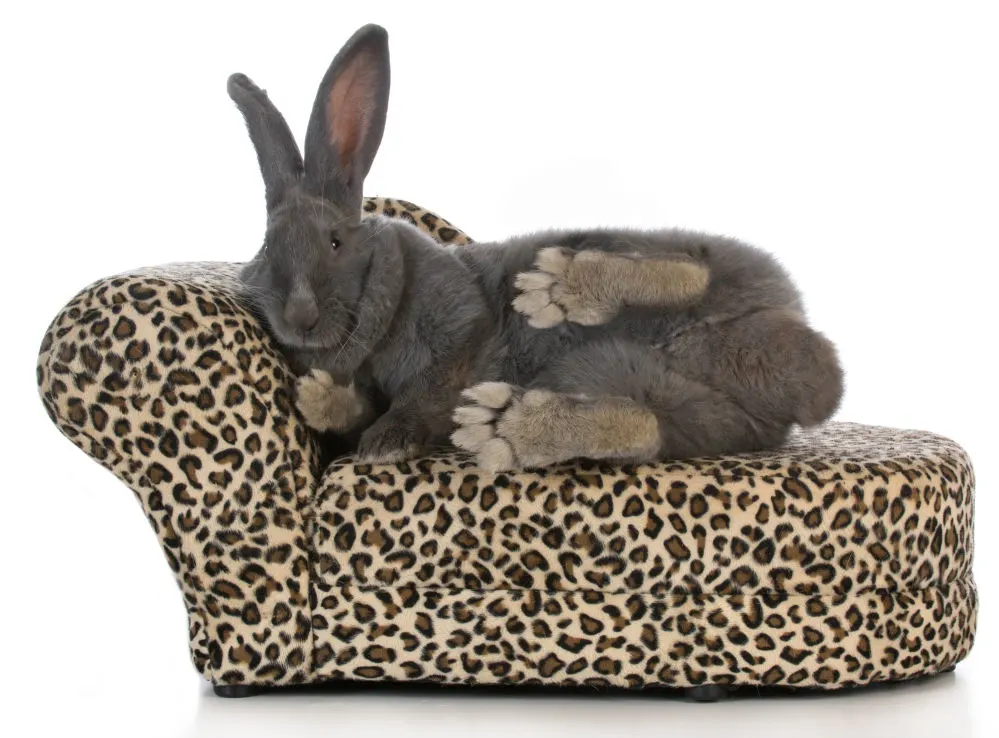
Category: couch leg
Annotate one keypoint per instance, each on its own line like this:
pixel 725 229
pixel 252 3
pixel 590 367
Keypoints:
pixel 234 690
pixel 706 693
pixel 948 670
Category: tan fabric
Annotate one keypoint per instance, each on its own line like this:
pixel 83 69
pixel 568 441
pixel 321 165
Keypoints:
pixel 842 559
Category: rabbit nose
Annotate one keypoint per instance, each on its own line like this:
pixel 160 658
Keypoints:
pixel 301 312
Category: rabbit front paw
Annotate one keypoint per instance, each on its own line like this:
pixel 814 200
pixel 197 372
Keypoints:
pixel 326 405
pixel 391 439
pixel 565 286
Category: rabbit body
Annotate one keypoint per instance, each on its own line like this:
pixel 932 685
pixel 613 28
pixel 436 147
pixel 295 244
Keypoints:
pixel 618 344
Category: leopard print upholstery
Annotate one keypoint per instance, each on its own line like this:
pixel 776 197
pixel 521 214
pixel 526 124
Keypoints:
pixel 441 230
pixel 843 558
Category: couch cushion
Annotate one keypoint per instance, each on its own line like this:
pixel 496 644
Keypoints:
pixel 840 508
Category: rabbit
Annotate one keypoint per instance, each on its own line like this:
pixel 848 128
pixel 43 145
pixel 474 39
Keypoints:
pixel 622 345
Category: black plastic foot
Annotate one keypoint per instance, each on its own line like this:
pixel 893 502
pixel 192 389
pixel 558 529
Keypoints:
pixel 234 690
pixel 948 670
pixel 706 693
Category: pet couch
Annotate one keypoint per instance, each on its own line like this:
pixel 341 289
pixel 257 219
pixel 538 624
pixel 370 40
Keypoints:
pixel 842 559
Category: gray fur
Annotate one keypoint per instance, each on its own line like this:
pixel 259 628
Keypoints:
pixel 280 163
pixel 413 324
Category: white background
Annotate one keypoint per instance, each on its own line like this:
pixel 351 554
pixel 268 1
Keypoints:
pixel 857 141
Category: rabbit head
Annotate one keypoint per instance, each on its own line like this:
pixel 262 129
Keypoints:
pixel 308 276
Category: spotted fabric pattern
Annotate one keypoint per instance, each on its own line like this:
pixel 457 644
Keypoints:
pixel 843 558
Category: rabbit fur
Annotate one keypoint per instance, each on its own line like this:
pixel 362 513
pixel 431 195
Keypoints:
pixel 618 344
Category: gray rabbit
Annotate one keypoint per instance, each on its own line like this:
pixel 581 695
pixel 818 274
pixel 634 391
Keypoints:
pixel 624 345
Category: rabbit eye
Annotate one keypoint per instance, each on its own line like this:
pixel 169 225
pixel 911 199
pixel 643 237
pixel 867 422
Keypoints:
pixel 334 242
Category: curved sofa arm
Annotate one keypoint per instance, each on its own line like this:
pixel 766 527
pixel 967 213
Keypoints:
pixel 167 379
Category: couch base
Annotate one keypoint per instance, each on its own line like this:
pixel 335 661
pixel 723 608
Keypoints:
pixel 707 693
pixel 636 640
pixel 703 693
pixel 235 690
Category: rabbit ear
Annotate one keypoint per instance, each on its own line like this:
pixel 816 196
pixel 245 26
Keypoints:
pixel 348 119
pixel 277 152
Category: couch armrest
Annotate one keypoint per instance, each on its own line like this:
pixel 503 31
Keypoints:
pixel 167 379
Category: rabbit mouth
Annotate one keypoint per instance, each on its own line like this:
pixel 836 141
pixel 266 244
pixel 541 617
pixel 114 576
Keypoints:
pixel 321 337
pixel 311 340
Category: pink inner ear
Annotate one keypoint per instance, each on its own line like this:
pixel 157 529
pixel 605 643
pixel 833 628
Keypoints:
pixel 350 105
